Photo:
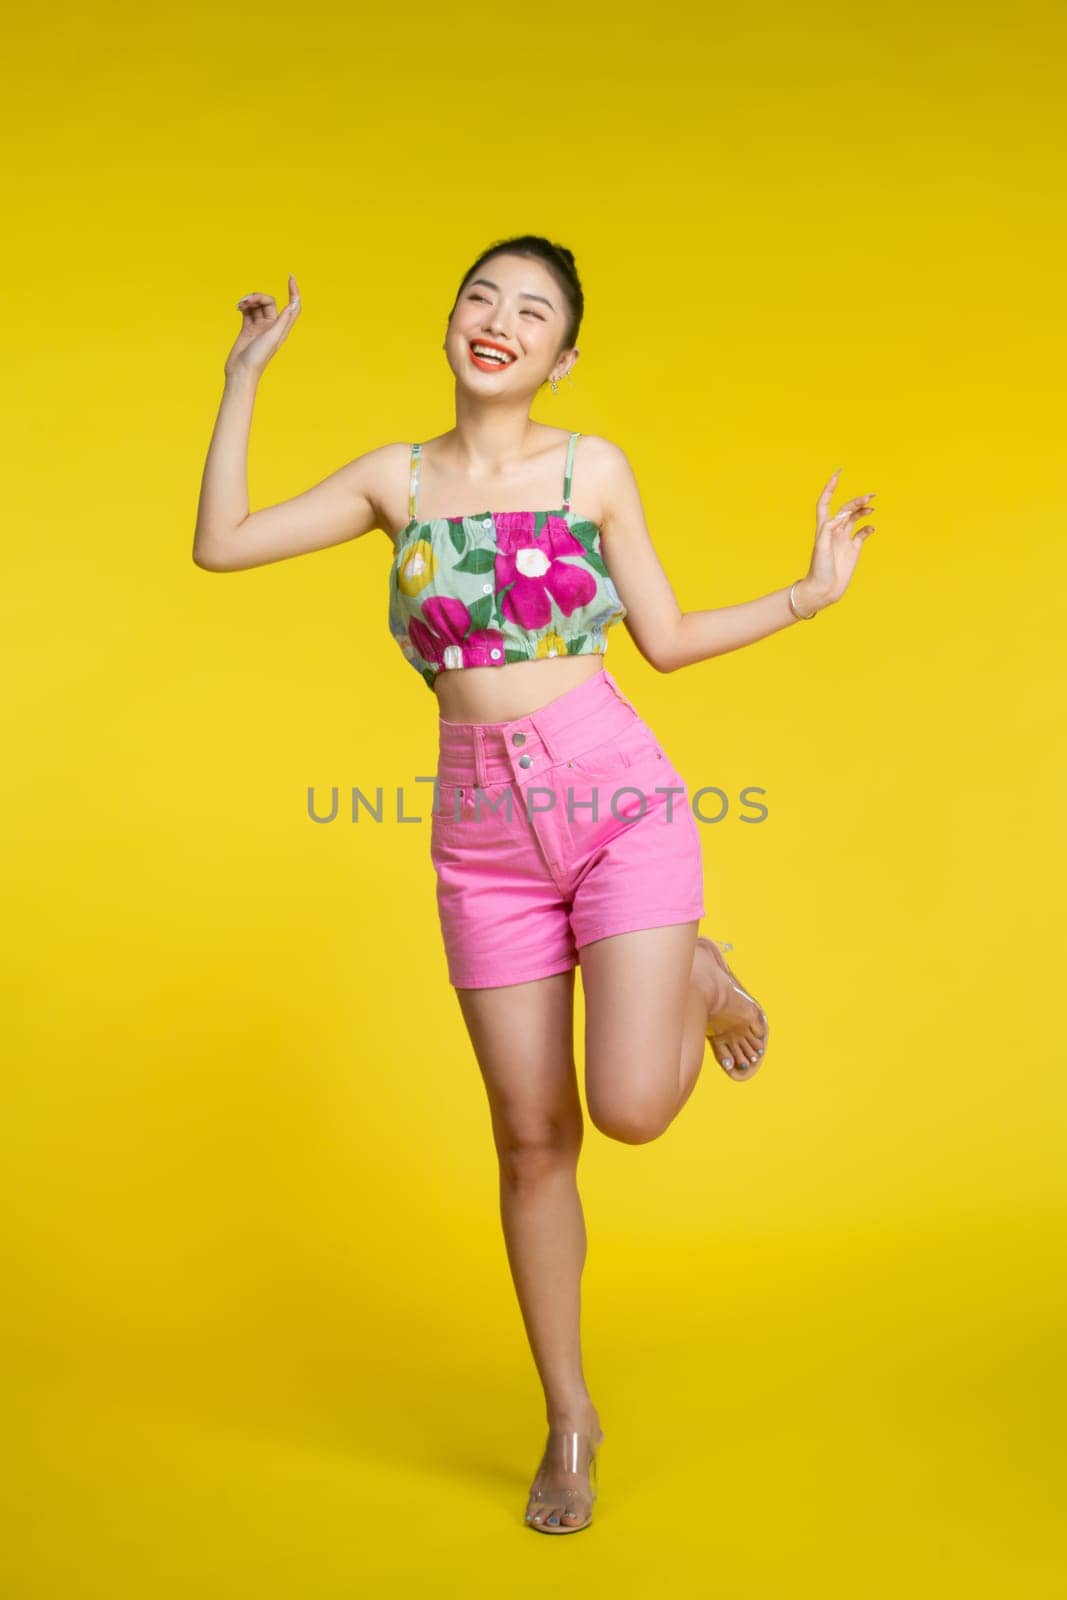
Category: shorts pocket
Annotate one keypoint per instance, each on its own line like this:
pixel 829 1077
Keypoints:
pixel 455 804
pixel 466 812
pixel 617 754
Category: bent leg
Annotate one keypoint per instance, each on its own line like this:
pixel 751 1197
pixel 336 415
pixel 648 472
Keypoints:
pixel 650 997
pixel 646 1014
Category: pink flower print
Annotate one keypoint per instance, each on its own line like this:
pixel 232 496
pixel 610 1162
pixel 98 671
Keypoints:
pixel 442 637
pixel 533 567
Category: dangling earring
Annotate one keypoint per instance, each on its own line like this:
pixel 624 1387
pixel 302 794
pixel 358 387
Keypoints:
pixel 555 385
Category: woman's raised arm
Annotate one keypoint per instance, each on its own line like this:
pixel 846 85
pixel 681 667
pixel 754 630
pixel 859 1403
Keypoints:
pixel 669 638
pixel 230 538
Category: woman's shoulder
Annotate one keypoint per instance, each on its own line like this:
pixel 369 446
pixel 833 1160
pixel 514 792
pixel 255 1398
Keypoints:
pixel 602 475
pixel 594 447
pixel 380 475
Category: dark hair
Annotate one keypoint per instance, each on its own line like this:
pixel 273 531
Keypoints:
pixel 559 261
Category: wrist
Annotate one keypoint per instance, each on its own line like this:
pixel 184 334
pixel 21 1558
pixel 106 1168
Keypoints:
pixel 239 378
pixel 809 598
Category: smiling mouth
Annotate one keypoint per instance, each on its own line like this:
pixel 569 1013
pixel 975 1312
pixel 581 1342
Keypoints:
pixel 487 357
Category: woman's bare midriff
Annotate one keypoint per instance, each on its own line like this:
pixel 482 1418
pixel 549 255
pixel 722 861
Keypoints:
pixel 503 694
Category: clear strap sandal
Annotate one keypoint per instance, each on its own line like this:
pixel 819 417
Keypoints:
pixel 722 945
pixel 568 1454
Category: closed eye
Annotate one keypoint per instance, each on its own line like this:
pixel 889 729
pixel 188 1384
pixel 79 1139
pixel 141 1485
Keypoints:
pixel 528 311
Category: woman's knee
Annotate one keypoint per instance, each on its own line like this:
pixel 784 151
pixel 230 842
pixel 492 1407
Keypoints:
pixel 634 1117
pixel 534 1149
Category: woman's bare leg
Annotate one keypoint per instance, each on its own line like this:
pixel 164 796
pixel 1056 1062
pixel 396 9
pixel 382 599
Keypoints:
pixel 523 1038
pixel 649 999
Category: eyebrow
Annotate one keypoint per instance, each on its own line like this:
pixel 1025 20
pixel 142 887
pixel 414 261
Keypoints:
pixel 524 294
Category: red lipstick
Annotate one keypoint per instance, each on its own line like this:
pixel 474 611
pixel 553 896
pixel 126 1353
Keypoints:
pixel 486 364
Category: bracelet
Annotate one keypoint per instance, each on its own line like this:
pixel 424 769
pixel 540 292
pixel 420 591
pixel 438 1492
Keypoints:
pixel 802 616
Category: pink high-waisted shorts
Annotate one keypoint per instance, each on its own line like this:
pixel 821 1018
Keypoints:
pixel 558 828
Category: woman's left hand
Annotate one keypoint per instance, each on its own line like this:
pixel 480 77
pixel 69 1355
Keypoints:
pixel 837 549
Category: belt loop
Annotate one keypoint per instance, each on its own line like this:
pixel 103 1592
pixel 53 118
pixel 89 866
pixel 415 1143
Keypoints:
pixel 481 778
pixel 545 737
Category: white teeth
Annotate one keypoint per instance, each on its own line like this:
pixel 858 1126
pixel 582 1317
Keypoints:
pixel 491 355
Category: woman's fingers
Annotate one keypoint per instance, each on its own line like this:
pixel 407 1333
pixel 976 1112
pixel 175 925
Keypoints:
pixel 847 515
pixel 822 505
pixel 263 328
pixel 860 505
pixel 260 305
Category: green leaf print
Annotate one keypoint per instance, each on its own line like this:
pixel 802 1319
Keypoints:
pixel 577 645
pixel 476 561
pixel 458 536
pixel 515 655
pixel 597 565
pixel 481 614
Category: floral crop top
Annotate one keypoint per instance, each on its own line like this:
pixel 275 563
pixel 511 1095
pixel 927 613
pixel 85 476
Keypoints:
pixel 501 586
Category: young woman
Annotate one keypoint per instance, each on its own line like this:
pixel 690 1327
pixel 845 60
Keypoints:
pixel 561 831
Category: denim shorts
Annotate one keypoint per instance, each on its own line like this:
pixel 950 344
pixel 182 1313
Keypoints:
pixel 555 829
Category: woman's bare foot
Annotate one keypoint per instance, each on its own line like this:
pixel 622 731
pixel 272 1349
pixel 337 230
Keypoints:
pixel 561 1495
pixel 737 1027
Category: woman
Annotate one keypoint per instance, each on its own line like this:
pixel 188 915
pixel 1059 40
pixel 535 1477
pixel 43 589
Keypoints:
pixel 560 826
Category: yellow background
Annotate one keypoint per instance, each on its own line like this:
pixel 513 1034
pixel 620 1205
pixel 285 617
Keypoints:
pixel 260 1337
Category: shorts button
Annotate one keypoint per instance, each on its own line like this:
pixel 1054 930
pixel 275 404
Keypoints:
pixel 495 654
pixel 525 761
pixel 518 738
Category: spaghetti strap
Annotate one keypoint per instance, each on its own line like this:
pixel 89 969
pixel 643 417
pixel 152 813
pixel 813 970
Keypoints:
pixel 413 487
pixel 569 472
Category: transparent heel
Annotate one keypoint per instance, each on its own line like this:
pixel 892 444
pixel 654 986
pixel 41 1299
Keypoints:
pixel 717 947
pixel 559 1489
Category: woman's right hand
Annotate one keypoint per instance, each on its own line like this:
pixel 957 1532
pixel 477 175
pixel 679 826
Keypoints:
pixel 263 329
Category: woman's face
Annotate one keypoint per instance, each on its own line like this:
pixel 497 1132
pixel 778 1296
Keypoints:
pixel 514 305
